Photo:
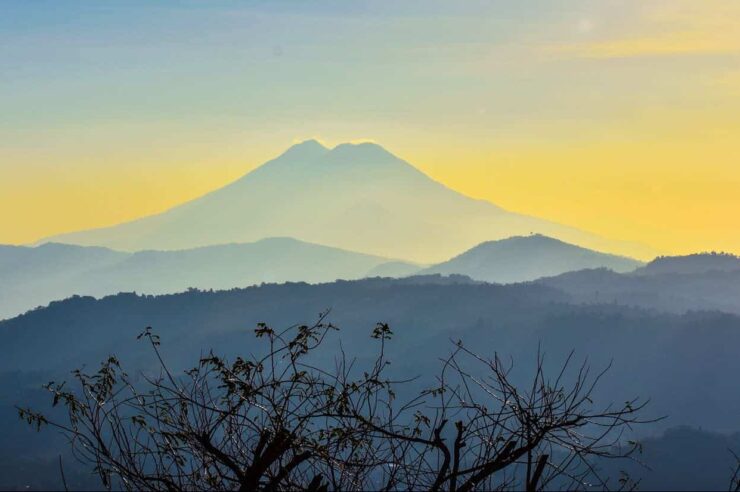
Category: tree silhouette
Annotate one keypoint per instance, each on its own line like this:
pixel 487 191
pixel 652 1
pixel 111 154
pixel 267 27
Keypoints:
pixel 282 421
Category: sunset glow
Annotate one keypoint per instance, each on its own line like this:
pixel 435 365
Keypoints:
pixel 618 118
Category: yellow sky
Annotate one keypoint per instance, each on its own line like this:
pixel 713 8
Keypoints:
pixel 620 121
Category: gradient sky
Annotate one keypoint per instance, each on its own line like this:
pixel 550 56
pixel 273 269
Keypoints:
pixel 618 117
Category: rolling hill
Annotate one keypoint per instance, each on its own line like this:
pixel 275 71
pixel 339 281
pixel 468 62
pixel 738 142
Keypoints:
pixel 358 197
pixel 35 276
pixel 523 258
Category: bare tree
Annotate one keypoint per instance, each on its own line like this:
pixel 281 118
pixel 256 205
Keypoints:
pixel 282 421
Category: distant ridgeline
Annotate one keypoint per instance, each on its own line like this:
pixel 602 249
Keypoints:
pixel 673 284
pixel 36 276
pixel 694 263
pixel 52 271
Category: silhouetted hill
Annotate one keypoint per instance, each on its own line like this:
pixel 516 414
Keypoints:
pixel 522 258
pixel 35 276
pixel 696 263
pixel 357 197
pixel 671 292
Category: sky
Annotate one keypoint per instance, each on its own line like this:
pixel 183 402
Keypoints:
pixel 617 117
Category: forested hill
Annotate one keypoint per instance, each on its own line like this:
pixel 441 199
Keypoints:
pixel 687 364
pixel 716 290
pixel 695 263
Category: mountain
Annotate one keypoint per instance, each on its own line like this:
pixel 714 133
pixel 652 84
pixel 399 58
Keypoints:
pixel 696 263
pixel 30 277
pixel 358 197
pixel 523 258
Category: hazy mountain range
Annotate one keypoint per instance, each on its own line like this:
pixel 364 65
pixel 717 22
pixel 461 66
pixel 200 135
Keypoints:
pixel 350 212
pixel 358 197
pixel 34 276
pixel 271 246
